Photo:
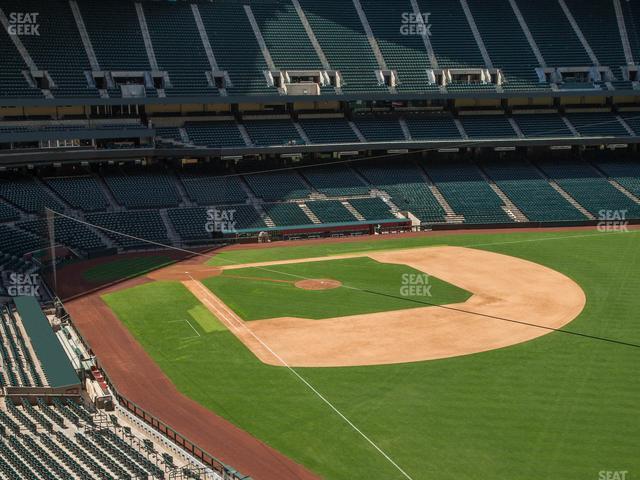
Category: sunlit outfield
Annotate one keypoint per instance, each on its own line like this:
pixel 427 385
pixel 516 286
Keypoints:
pixel 256 294
pixel 559 407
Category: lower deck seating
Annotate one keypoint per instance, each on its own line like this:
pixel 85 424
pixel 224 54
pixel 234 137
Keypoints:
pixel 467 192
pixel 589 188
pixel 63 439
pixel 207 189
pixel 8 213
pixel 335 180
pixel 372 208
pixel 66 232
pixel 17 242
pixel 29 195
pixel 407 186
pixel 190 223
pixel 143 225
pixel 286 214
pixel 331 212
pixel 626 173
pixel 81 192
pixel 198 224
pixel 531 193
pixel 143 190
pixel 282 185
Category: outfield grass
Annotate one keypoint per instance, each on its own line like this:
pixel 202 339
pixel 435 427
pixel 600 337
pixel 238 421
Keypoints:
pixel 560 407
pixel 373 287
pixel 389 242
pixel 122 268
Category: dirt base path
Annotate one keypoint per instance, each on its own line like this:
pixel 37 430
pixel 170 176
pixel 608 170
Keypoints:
pixel 507 293
pixel 140 379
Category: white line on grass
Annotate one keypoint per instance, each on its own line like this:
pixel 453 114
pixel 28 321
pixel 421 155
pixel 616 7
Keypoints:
pixel 303 380
pixel 226 309
pixel 186 320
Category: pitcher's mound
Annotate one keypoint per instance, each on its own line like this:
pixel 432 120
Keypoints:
pixel 318 284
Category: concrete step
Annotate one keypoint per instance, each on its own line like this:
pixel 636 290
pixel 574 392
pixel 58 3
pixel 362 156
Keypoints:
pixel 312 216
pixel 263 215
pixel 564 194
pixel 615 184
pixel 171 231
pixel 509 207
pixel 438 194
pixel 353 211
pixel 108 194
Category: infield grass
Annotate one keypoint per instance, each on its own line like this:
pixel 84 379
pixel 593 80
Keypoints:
pixel 560 407
pixel 368 286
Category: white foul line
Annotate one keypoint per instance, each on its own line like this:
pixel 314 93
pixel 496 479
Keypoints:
pixel 311 387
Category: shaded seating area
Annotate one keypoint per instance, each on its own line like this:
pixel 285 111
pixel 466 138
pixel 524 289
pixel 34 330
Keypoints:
pixel 280 185
pixel 205 189
pixel 273 132
pixel 143 190
pixel 408 189
pixel 531 193
pixel 286 214
pixel 372 208
pixel 589 188
pixel 82 192
pixel 467 192
pixel 219 134
pixel 328 130
pixel 139 224
pixel 331 211
pixel 335 180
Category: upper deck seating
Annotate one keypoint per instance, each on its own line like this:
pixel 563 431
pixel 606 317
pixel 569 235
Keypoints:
pixel 343 40
pixel 379 128
pixel 178 48
pixel 328 130
pixel 487 126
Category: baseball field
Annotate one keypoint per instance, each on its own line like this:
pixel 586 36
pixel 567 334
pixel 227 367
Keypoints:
pixel 507 355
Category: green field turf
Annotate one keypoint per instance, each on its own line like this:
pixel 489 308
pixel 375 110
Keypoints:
pixel 560 407
pixel 122 268
pixel 373 287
